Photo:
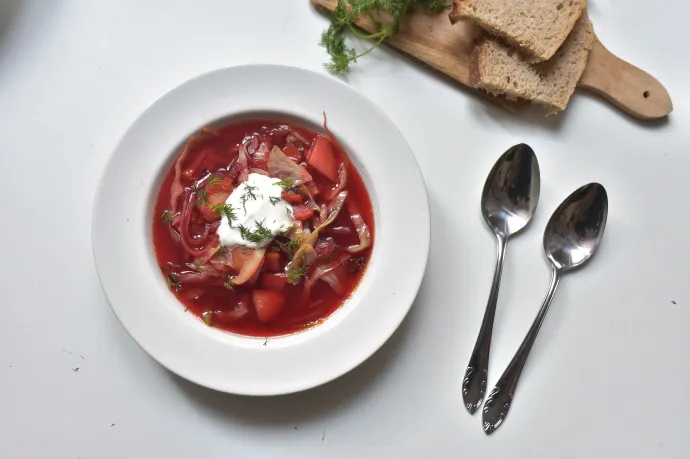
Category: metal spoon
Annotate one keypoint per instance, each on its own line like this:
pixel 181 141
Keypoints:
pixel 570 239
pixel 510 196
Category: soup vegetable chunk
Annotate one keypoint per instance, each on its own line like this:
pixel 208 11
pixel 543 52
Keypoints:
pixel 262 228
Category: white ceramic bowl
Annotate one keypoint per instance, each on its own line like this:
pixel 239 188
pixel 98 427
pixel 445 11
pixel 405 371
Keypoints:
pixel 123 250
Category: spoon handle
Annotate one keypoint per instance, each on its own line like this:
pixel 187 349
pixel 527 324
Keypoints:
pixel 497 405
pixel 474 382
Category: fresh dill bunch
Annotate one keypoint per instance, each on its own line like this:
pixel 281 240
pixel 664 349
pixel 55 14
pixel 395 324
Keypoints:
pixel 344 20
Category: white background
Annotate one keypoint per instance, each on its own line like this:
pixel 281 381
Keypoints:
pixel 608 377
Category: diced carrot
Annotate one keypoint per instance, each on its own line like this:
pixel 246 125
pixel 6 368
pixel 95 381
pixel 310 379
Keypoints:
pixel 224 186
pixel 274 281
pixel 293 153
pixel 268 304
pixel 272 261
pixel 322 158
pixel 291 197
pixel 302 212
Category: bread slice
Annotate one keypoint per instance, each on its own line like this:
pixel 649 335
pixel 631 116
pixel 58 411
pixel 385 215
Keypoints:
pixel 536 27
pixel 499 69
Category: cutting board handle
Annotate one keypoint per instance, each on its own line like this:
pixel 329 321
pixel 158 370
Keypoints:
pixel 627 87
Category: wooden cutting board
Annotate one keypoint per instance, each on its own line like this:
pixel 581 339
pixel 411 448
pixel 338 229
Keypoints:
pixel 432 39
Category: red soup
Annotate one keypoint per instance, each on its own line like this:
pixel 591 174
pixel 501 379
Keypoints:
pixel 262 228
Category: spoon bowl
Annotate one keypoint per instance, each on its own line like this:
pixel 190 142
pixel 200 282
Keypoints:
pixel 576 227
pixel 511 191
pixel 509 199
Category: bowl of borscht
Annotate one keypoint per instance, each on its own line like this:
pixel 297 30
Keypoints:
pixel 247 229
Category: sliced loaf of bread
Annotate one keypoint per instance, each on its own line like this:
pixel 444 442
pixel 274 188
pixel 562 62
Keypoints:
pixel 499 69
pixel 535 27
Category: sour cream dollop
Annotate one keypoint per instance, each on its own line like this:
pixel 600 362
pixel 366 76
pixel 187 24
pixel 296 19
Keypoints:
pixel 260 210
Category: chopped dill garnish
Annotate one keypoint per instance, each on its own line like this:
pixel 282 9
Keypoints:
pixel 197 264
pixel 289 212
pixel 295 273
pixel 291 246
pixel 260 234
pixel 244 232
pixel 250 189
pixel 249 194
pixel 213 180
pixel 228 286
pixel 285 184
pixel 227 210
pixel 344 20
pixel 174 282
pixel 354 264
pixel 283 230
pixel 274 200
pixel 201 197
pixel 167 216
pixel 262 231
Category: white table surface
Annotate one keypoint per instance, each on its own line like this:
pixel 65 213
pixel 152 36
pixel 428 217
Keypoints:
pixel 608 376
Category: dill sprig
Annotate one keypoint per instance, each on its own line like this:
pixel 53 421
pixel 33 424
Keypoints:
pixel 291 246
pixel 227 210
pixel 249 191
pixel 228 285
pixel 258 235
pixel 344 20
pixel 174 282
pixel 274 200
pixel 286 184
pixel 248 194
pixel 201 197
pixel 167 216
pixel 354 264
pixel 213 180
pixel 285 230
pixel 295 273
